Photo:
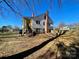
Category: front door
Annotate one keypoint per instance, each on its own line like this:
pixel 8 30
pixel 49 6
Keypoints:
pixel 38 30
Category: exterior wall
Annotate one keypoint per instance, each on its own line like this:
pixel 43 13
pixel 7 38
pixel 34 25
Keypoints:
pixel 41 26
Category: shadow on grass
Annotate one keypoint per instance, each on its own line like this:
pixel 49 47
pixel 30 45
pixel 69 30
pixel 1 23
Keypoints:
pixel 73 53
pixel 26 53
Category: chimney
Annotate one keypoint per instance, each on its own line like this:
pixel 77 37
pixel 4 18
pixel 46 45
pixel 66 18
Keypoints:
pixel 32 14
pixel 46 22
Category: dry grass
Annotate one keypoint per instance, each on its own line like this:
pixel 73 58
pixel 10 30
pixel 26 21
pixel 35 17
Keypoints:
pixel 10 46
pixel 51 50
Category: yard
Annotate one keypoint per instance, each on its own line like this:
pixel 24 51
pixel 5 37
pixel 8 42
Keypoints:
pixel 15 45
pixel 11 44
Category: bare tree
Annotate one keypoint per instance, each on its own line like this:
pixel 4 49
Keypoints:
pixel 61 25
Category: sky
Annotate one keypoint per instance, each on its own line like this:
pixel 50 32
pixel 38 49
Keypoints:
pixel 68 13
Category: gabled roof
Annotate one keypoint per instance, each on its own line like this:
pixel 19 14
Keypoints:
pixel 34 17
pixel 39 17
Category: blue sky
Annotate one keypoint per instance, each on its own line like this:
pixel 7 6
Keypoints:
pixel 68 13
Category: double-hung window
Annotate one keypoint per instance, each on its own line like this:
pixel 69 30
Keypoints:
pixel 37 22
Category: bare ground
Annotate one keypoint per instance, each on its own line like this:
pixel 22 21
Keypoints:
pixel 10 46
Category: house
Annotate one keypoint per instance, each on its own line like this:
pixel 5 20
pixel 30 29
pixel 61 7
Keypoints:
pixel 39 24
pixel 65 28
pixel 6 29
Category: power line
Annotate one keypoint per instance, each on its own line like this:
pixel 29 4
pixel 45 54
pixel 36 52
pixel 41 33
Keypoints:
pixel 11 7
pixel 33 6
pixel 28 5
pixel 59 3
pixel 1 1
pixel 13 4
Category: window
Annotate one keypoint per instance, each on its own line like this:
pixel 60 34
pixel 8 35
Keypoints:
pixel 37 22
